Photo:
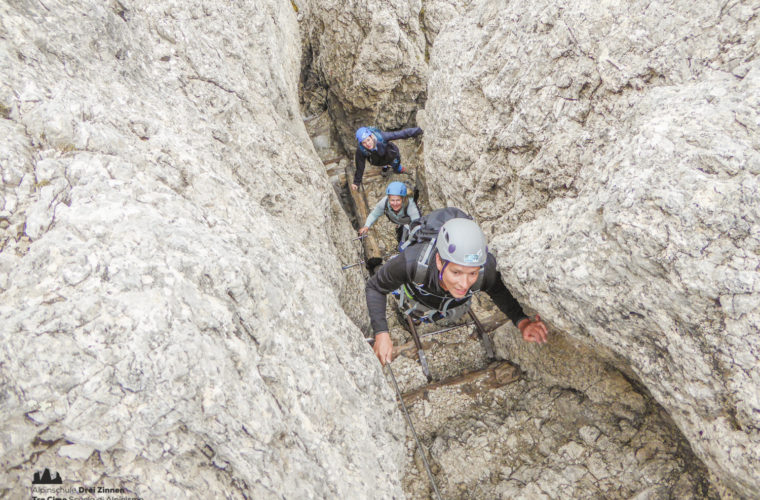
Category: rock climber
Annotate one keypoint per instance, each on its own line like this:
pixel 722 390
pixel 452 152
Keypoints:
pixel 378 148
pixel 435 277
pixel 399 209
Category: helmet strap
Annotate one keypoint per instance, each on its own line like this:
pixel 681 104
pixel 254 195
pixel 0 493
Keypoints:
pixel 440 273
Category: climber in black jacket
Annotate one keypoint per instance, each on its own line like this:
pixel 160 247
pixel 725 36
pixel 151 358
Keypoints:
pixel 436 279
pixel 375 146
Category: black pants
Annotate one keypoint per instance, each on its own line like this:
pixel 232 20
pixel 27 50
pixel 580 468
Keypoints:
pixel 399 233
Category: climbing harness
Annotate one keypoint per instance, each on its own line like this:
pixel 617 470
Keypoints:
pixel 410 306
pixel 414 433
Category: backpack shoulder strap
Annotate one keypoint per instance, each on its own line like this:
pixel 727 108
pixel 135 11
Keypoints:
pixel 409 237
pixel 421 266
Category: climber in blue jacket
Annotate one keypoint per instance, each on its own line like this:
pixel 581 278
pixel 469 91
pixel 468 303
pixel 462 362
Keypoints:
pixel 375 145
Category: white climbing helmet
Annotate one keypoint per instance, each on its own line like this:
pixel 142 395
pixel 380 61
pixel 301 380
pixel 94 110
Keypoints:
pixel 462 242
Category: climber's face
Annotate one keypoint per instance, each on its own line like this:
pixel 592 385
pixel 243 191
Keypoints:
pixel 456 279
pixel 369 142
pixel 395 202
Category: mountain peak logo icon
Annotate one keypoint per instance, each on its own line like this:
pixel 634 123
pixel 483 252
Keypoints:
pixel 45 478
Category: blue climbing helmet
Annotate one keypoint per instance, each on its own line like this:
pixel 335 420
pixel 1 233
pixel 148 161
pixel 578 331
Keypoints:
pixel 362 133
pixel 396 188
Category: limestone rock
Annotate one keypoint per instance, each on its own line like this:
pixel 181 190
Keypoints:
pixel 556 364
pixel 530 440
pixel 611 152
pixel 173 315
pixel 436 14
pixel 370 58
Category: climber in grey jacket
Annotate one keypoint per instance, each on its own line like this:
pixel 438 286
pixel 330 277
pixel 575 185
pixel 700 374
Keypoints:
pixel 436 280
pixel 397 207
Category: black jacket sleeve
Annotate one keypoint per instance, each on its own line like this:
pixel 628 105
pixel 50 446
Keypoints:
pixel 402 134
pixel 359 161
pixel 499 293
pixel 389 277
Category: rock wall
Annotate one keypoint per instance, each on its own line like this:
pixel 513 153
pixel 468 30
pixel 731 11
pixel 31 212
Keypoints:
pixel 435 14
pixel 369 57
pixel 611 151
pixel 174 318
